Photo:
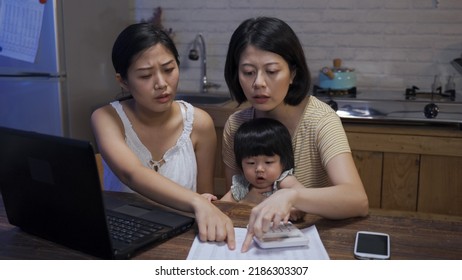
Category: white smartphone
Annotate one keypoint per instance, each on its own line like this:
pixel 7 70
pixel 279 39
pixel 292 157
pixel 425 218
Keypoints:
pixel 372 245
pixel 285 235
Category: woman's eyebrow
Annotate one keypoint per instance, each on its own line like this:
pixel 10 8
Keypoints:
pixel 150 66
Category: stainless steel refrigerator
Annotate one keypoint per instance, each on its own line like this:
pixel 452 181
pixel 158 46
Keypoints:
pixel 71 73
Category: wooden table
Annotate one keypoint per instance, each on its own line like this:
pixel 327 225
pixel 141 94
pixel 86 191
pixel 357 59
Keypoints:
pixel 413 236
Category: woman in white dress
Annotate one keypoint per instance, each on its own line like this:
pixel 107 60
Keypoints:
pixel 158 147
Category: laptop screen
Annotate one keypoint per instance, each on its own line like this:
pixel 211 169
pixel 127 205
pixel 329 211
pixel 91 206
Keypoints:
pixel 51 188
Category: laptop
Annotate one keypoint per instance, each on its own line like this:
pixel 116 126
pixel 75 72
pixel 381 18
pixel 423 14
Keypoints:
pixel 51 188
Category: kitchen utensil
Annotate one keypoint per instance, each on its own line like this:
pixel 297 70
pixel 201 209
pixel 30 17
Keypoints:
pixel 457 63
pixel 337 77
pixel 436 86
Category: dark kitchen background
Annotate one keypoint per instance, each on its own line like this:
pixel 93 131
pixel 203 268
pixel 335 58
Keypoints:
pixel 391 47
pixel 391 44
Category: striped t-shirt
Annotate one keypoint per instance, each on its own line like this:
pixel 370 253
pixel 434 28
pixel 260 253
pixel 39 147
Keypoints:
pixel 319 137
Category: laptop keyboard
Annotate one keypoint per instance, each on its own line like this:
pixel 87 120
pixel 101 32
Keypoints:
pixel 129 229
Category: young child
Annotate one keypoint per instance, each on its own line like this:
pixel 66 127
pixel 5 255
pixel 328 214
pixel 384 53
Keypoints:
pixel 263 151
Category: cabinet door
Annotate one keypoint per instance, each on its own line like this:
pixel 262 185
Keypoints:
pixel 400 181
pixel 369 165
pixel 220 187
pixel 440 185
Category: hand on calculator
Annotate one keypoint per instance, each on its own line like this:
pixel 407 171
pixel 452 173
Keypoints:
pixel 285 235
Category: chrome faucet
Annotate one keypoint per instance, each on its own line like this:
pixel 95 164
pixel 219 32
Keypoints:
pixel 194 55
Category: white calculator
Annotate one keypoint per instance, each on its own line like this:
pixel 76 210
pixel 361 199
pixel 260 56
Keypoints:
pixel 285 235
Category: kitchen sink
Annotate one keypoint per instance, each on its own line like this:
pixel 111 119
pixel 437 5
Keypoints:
pixel 203 98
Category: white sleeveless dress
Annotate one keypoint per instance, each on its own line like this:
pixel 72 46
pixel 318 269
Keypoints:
pixel 178 163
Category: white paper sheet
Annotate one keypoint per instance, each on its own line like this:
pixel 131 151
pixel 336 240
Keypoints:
pixel 219 250
pixel 20 28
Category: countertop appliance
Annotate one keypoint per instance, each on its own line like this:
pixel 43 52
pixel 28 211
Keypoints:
pixel 457 63
pixel 410 105
pixel 71 73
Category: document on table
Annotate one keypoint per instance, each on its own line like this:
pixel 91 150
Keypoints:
pixel 219 250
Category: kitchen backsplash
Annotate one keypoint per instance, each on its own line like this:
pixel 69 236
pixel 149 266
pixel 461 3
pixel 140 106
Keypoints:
pixel 391 44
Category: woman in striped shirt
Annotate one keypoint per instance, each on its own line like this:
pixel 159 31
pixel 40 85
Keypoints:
pixel 266 66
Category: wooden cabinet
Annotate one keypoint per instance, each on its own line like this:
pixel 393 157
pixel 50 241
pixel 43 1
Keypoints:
pixel 440 187
pixel 409 167
pixel 219 180
pixel 219 115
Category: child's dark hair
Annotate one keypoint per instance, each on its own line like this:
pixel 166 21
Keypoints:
pixel 263 136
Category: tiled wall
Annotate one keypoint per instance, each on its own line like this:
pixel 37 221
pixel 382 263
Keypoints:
pixel 391 44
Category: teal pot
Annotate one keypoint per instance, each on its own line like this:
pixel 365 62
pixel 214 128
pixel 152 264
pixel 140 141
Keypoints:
pixel 337 77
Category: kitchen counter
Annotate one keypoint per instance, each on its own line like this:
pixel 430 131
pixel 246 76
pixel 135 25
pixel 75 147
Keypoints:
pixel 220 114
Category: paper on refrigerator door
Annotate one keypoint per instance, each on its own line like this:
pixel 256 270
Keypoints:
pixel 20 27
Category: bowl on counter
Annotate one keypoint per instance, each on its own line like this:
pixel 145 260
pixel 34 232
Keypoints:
pixel 203 98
